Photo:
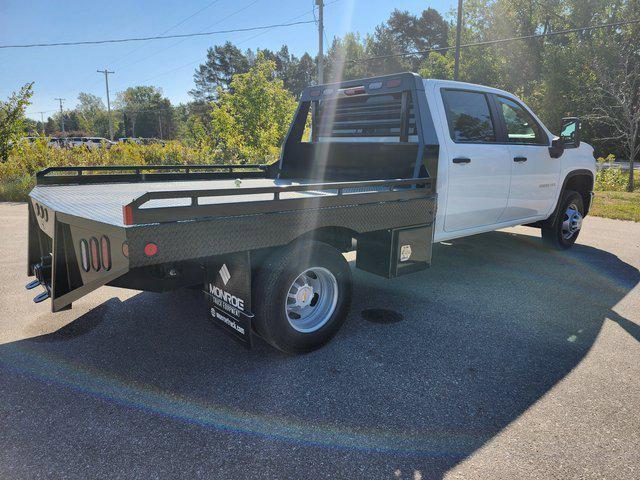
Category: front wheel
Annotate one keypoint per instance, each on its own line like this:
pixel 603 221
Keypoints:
pixel 564 231
pixel 302 296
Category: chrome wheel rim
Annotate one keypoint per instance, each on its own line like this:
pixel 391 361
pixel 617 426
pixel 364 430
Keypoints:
pixel 311 299
pixel 572 222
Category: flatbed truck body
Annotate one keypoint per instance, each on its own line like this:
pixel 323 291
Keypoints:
pixel 264 242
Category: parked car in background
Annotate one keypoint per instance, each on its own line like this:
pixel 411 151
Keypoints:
pixel 142 140
pixel 88 142
pixel 24 139
pixel 129 140
pixel 56 142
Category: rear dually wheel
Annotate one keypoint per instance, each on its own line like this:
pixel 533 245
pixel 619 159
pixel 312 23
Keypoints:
pixel 301 297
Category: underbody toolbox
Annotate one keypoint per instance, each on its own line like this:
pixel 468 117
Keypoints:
pixel 394 252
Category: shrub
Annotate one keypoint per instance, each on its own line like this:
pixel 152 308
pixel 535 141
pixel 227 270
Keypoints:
pixel 25 159
pixel 611 179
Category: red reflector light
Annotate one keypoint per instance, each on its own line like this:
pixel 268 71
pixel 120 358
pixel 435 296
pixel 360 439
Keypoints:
pixel 127 215
pixel 354 91
pixel 84 255
pixel 105 251
pixel 94 247
pixel 150 249
pixel 394 82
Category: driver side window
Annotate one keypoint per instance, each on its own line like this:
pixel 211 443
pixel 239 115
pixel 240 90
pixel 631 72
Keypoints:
pixel 521 126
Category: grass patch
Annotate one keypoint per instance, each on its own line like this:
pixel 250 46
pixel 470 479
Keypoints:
pixel 617 205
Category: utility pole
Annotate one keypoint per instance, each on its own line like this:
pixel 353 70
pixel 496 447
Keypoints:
pixel 320 4
pixel 61 114
pixel 106 81
pixel 160 123
pixel 42 121
pixel 456 68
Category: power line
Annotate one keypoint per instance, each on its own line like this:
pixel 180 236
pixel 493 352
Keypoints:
pixel 159 37
pixel 498 41
pixel 167 30
pixel 139 47
pixel 239 43
pixel 289 20
pixel 44 111
pixel 235 12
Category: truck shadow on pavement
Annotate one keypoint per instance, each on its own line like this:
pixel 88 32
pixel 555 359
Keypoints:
pixel 147 385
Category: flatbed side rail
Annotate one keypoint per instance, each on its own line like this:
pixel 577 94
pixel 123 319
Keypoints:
pixel 332 194
pixel 145 173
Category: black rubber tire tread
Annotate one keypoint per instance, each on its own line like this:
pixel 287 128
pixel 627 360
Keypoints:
pixel 552 235
pixel 271 287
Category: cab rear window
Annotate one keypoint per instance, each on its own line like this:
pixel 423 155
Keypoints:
pixel 469 116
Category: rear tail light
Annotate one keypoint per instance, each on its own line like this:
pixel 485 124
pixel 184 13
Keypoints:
pixel 84 255
pixel 127 215
pixel 150 249
pixel 94 247
pixel 105 252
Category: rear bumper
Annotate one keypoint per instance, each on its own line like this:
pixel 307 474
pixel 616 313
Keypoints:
pixel 71 270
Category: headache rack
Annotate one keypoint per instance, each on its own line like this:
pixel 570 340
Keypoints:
pixel 145 173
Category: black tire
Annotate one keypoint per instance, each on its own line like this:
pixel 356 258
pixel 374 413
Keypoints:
pixel 272 285
pixel 553 235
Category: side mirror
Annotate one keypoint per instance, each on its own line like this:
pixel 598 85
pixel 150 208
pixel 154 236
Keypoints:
pixel 570 133
pixel 569 137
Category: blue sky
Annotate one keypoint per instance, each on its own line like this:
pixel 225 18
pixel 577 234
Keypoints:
pixel 168 64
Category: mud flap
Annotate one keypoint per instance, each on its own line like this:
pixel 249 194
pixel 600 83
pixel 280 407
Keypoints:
pixel 228 292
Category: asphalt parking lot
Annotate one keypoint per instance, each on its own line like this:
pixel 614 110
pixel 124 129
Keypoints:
pixel 511 361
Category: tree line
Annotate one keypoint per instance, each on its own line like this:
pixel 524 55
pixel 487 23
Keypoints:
pixel 592 73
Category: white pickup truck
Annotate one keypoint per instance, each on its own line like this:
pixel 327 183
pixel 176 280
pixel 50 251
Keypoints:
pixel 499 166
pixel 389 166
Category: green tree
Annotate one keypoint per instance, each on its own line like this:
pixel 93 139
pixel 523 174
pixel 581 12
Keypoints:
pixel 147 113
pixel 12 118
pixel 250 120
pixel 345 59
pixel 438 66
pixel 93 116
pixel 222 63
pixel 296 73
pixel 412 33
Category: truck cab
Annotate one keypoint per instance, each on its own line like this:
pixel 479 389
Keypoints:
pixel 499 165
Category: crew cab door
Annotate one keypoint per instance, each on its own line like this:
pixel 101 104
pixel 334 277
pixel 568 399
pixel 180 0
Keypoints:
pixel 479 168
pixel 534 174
